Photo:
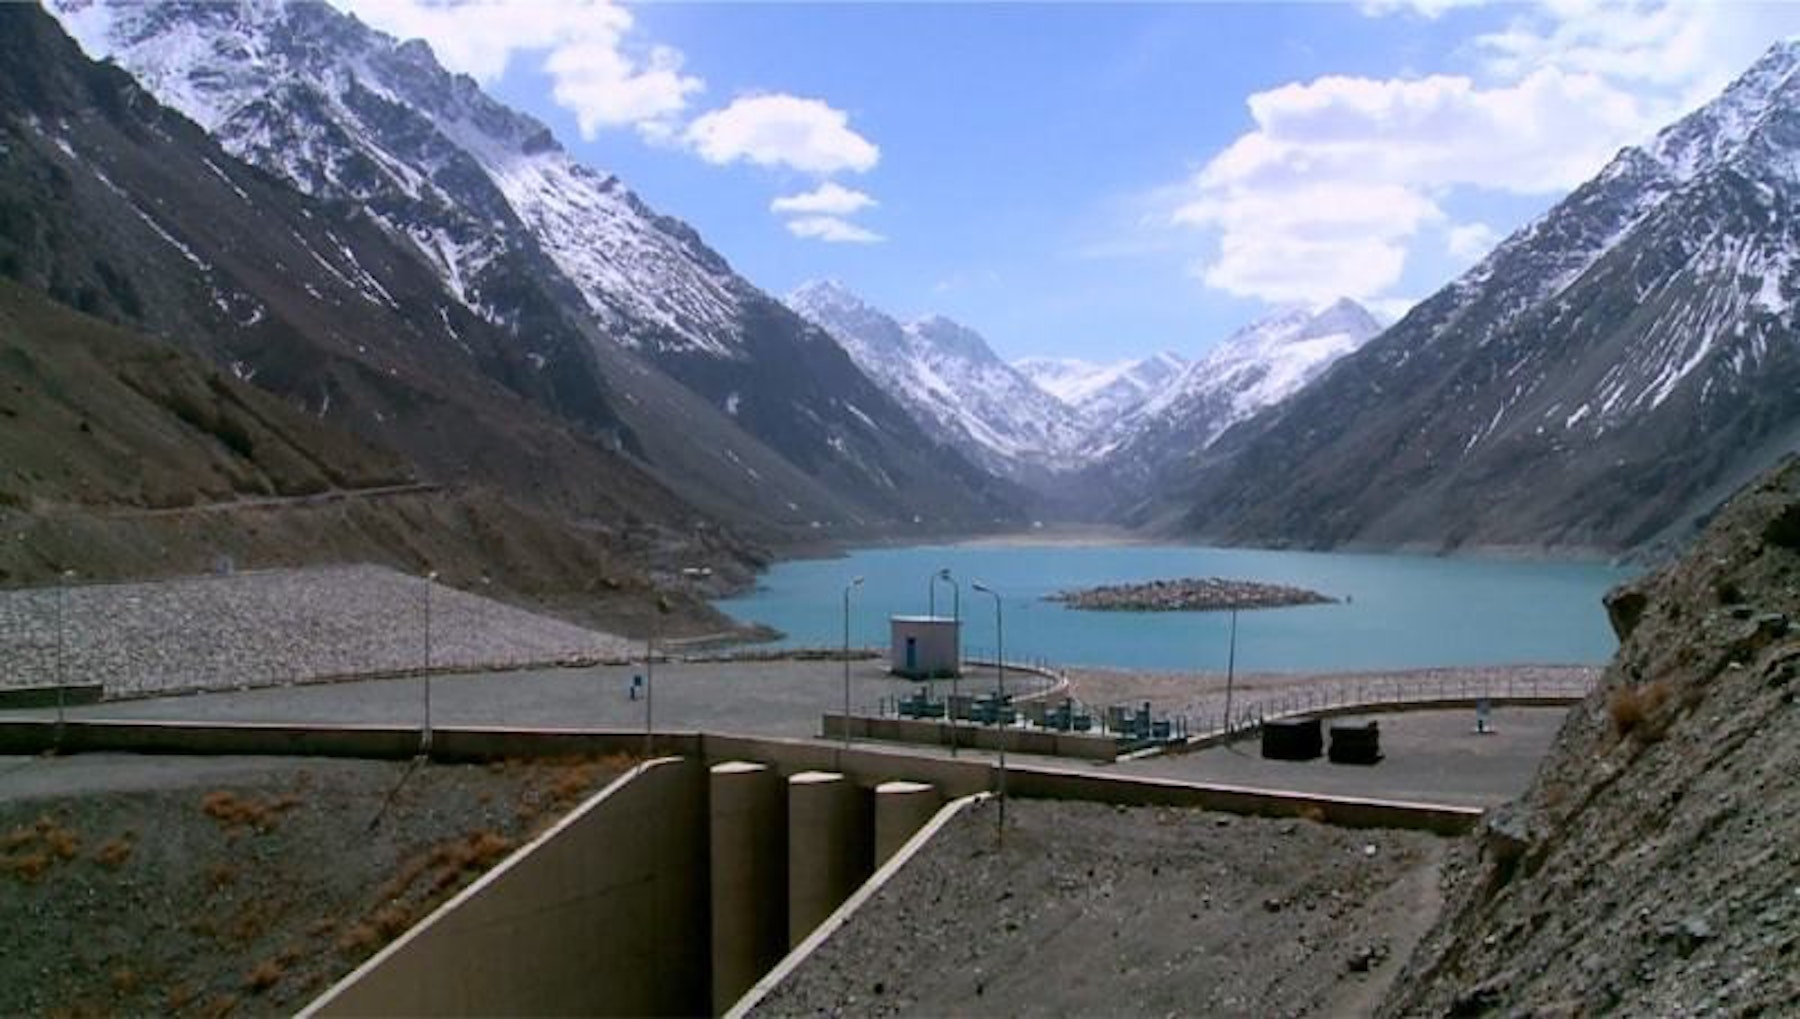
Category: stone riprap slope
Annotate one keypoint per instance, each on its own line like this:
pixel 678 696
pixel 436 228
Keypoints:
pixel 1651 869
pixel 264 628
pixel 1094 910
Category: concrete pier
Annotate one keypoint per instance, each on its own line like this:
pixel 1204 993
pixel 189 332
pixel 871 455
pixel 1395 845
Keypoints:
pixel 749 871
pixel 829 849
pixel 901 808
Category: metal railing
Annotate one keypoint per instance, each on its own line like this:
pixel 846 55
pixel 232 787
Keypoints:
pixel 1375 692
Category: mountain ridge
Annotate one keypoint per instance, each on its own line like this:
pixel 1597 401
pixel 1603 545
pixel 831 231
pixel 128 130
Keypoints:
pixel 564 257
pixel 1598 381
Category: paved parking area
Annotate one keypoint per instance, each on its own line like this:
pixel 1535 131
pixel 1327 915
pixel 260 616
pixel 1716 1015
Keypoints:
pixel 1431 756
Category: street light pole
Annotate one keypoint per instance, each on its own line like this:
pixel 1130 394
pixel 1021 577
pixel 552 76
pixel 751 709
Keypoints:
pixel 1000 705
pixel 955 606
pixel 853 585
pixel 425 736
pixel 1230 671
pixel 661 608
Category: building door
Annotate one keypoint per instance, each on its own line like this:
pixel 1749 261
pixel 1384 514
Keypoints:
pixel 912 654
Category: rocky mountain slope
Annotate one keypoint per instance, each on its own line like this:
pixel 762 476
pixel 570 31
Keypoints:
pixel 1606 375
pixel 117 207
pixel 945 375
pixel 1651 868
pixel 769 421
pixel 122 456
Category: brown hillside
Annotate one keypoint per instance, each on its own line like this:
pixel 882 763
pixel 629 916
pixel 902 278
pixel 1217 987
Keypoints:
pixel 125 457
pixel 1652 868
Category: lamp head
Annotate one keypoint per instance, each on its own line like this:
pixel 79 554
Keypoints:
pixel 857 582
pixel 983 588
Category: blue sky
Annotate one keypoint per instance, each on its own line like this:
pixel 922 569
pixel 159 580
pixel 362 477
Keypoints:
pixel 1100 181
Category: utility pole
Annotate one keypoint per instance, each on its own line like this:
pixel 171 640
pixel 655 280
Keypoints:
pixel 425 736
pixel 662 609
pixel 62 618
pixel 853 585
pixel 1000 704
pixel 1230 670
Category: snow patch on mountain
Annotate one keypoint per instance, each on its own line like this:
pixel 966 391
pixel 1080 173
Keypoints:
pixel 1256 367
pixel 946 376
pixel 1103 393
pixel 343 111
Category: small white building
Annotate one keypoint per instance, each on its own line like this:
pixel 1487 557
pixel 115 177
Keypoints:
pixel 925 647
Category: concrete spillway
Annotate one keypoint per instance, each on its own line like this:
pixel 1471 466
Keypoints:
pixel 670 893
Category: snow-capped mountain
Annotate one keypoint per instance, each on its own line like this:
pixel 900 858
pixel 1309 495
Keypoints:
pixel 564 257
pixel 1258 366
pixel 1103 393
pixel 1602 377
pixel 953 384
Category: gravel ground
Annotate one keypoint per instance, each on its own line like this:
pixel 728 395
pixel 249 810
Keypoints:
pixel 1099 911
pixel 257 629
pixel 214 886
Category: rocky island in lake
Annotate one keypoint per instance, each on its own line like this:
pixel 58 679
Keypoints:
pixel 1189 594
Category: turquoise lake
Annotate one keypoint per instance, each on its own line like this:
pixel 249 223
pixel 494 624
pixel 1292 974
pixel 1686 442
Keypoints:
pixel 1395 611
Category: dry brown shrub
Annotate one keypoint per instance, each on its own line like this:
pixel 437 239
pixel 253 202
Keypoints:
pixel 112 855
pixel 27 853
pixel 221 875
pixel 1638 709
pixel 392 920
pixel 359 939
pixel 179 997
pixel 27 866
pixel 125 981
pixel 236 813
pixel 264 975
pixel 219 1006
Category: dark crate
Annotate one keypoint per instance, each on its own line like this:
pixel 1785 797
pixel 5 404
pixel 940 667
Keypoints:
pixel 1292 739
pixel 1356 743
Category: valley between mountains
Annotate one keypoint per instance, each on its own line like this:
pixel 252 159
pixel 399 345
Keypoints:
pixel 265 252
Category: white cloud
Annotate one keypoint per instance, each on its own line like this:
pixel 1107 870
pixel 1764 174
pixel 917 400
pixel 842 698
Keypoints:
pixel 782 130
pixel 605 89
pixel 598 72
pixel 1308 242
pixel 1467 242
pixel 832 230
pixel 1332 189
pixel 1426 8
pixel 828 199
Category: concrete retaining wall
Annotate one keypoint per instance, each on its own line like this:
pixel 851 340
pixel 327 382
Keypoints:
pixel 605 914
pixel 864 765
